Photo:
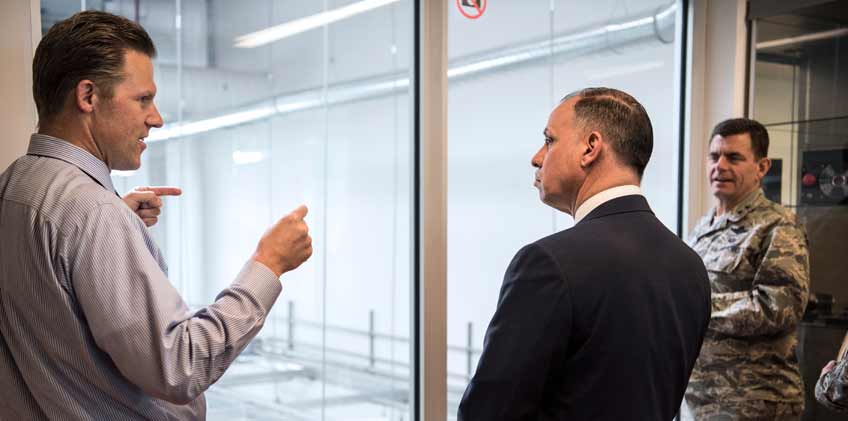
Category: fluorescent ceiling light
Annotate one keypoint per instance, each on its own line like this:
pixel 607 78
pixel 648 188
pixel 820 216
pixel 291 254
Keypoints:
pixel 276 33
pixel 209 124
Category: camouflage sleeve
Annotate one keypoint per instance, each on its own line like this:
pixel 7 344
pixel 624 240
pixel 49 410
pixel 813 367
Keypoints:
pixel 832 388
pixel 778 297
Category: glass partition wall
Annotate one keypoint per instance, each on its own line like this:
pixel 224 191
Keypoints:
pixel 508 69
pixel 255 126
pixel 323 117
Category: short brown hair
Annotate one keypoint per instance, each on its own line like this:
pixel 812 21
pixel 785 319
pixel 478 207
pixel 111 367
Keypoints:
pixel 757 132
pixel 88 45
pixel 621 119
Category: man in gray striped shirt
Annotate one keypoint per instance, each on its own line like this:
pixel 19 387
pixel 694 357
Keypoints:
pixel 90 326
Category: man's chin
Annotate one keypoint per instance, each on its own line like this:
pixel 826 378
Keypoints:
pixel 547 200
pixel 723 195
pixel 130 166
pixel 720 190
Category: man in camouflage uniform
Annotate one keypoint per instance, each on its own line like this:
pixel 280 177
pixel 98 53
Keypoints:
pixel 832 387
pixel 756 258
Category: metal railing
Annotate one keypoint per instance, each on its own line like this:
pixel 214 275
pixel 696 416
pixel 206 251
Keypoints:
pixel 371 335
pixel 357 365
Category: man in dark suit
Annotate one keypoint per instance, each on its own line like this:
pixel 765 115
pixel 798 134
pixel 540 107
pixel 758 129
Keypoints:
pixel 603 321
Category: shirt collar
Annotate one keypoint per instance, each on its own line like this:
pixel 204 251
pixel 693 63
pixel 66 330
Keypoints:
pixel 710 223
pixel 52 147
pixel 602 197
pixel 751 201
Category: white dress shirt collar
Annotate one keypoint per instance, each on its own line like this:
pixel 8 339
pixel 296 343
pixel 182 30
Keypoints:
pixel 602 197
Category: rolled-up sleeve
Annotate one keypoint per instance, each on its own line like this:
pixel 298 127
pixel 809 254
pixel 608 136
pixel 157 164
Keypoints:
pixel 139 319
pixel 776 302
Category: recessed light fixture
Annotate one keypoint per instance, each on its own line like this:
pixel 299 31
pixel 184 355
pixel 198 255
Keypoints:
pixel 276 33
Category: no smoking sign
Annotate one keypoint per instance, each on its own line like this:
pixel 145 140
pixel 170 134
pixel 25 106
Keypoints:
pixel 472 9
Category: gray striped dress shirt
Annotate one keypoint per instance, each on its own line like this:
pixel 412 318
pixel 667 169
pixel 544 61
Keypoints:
pixel 90 326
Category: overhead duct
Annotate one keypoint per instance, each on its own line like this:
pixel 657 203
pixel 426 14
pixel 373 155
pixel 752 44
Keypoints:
pixel 659 25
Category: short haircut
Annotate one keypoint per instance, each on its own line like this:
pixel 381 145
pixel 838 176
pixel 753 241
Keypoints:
pixel 88 45
pixel 622 121
pixel 757 132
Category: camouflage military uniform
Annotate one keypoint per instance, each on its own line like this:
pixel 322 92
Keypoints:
pixel 832 388
pixel 756 258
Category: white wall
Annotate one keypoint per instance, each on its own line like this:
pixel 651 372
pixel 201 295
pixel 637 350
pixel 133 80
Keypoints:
pixel 17 44
pixel 717 45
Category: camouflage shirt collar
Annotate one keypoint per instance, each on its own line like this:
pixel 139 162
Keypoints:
pixel 749 203
pixel 709 223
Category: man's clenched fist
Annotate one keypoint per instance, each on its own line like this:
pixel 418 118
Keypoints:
pixel 286 244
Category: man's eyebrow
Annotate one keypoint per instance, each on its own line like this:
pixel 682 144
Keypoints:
pixel 546 133
pixel 730 154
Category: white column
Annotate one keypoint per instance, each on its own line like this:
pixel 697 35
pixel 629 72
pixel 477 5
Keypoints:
pixel 717 45
pixel 20 31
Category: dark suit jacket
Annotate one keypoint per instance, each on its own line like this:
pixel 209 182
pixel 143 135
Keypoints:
pixel 602 321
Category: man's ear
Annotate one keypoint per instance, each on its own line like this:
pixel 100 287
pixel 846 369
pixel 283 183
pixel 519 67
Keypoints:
pixel 591 153
pixel 85 96
pixel 762 168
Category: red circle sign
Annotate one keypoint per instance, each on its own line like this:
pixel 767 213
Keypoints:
pixel 477 8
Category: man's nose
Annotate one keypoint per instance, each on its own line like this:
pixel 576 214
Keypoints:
pixel 155 119
pixel 539 158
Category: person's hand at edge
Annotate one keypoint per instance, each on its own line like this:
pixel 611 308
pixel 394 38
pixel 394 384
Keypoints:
pixel 827 368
